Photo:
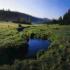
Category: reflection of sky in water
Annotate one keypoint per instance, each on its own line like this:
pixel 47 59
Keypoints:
pixel 36 45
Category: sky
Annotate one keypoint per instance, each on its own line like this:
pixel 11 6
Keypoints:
pixel 39 8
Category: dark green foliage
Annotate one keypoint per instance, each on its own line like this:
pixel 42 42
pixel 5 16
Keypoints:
pixel 32 35
pixel 60 20
pixel 8 55
pixel 14 17
pixel 30 20
pixel 66 18
pixel 20 28
pixel 63 20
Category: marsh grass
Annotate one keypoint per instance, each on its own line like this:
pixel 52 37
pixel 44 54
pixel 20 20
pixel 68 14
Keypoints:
pixel 57 57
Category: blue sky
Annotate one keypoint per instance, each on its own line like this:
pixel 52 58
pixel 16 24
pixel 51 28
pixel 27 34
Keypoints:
pixel 39 8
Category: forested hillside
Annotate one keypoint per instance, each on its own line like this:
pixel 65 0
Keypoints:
pixel 19 17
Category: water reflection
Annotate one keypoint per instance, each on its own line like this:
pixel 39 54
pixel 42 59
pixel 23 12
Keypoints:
pixel 36 45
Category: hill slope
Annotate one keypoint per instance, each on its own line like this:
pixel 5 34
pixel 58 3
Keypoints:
pixel 13 16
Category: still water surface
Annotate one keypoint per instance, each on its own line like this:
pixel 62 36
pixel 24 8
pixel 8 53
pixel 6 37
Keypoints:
pixel 36 45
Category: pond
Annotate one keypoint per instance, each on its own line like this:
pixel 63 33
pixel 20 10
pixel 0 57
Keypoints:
pixel 36 45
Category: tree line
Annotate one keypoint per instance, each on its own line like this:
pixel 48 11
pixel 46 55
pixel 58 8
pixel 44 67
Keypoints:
pixel 62 20
pixel 7 15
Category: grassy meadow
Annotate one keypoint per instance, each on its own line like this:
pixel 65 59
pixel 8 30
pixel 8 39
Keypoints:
pixel 57 57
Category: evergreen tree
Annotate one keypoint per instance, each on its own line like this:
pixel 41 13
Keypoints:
pixel 66 17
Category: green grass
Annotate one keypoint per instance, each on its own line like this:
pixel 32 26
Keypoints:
pixel 10 36
pixel 9 33
pixel 57 57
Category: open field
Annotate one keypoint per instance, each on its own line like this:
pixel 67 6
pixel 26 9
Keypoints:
pixel 57 57
pixel 9 33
